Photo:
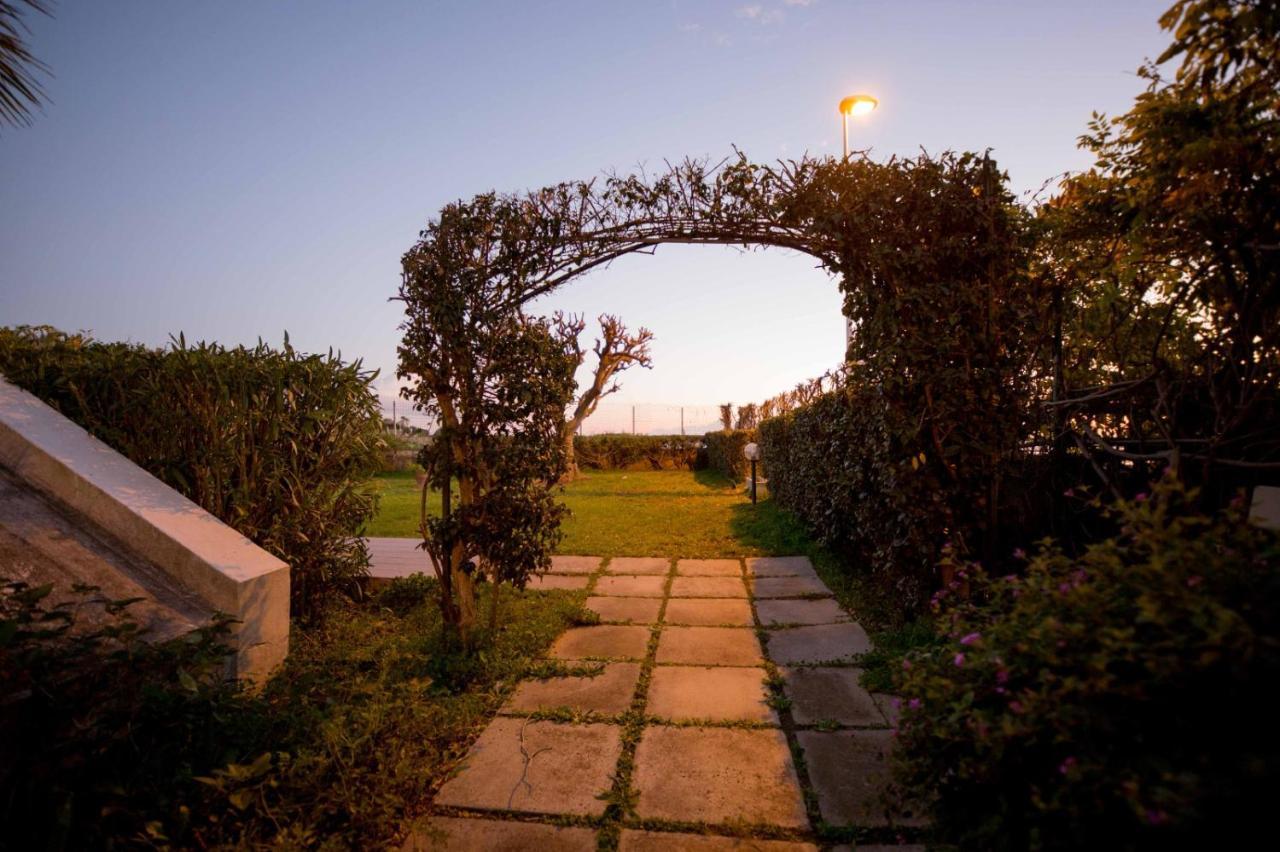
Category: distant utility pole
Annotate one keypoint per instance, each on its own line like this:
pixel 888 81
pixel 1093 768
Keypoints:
pixel 682 420
pixel 394 429
pixel 633 420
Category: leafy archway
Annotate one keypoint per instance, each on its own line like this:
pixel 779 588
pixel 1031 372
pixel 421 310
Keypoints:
pixel 927 252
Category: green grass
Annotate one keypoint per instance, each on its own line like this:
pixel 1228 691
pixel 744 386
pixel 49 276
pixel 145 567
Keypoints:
pixel 635 513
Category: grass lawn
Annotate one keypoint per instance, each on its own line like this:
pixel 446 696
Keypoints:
pixel 635 513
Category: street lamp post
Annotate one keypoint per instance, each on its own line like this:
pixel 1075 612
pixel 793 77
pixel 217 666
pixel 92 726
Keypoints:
pixel 854 105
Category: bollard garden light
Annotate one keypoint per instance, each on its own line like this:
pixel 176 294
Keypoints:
pixel 752 452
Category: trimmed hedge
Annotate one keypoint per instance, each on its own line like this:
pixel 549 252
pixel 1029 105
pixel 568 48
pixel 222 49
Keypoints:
pixel 841 466
pixel 276 443
pixel 626 452
pixel 724 452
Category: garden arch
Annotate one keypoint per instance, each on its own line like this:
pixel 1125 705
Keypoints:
pixel 924 251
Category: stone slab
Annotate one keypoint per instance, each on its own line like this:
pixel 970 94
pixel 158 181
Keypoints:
pixel 709 568
pixel 1264 508
pixel 390 558
pixel 788 587
pixel 454 834
pixel 830 694
pixel 557 582
pixel 709 612
pixel 780 566
pixel 638 565
pixel 661 841
pixel 890 706
pixel 637 610
pixel 609 692
pixel 849 771
pixel 631 587
pixel 819 643
pixel 800 611
pixel 570 766
pixel 708 587
pixel 565 564
pixel 709 646
pixel 689 693
pixel 602 642
pixel 717 775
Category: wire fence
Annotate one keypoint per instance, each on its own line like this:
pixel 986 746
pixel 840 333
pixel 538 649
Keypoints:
pixel 609 417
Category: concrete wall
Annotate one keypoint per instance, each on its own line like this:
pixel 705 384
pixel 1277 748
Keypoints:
pixel 197 551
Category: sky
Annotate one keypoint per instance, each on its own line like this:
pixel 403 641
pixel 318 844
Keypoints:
pixel 237 170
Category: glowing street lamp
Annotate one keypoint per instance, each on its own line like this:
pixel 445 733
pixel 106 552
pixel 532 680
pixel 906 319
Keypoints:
pixel 855 105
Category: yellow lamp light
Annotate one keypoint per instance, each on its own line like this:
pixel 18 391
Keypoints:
pixel 854 105
pixel 858 105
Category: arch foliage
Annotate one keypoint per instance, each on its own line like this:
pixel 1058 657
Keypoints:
pixel 926 251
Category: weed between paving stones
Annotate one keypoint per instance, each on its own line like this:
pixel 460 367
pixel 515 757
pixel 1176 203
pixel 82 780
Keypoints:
pixel 623 797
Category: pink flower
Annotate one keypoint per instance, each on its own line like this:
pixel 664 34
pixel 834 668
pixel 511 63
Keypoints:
pixel 1194 581
pixel 1002 676
pixel 1019 553
pixel 1066 765
pixel 914 704
pixel 1070 492
pixel 959 661
pixel 906 664
pixel 1141 498
pixel 1157 817
pixel 970 638
pixel 1015 707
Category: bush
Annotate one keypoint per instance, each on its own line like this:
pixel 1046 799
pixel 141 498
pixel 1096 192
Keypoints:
pixel 629 452
pixel 843 466
pixel 724 452
pixel 107 741
pixel 101 732
pixel 275 443
pixel 1120 699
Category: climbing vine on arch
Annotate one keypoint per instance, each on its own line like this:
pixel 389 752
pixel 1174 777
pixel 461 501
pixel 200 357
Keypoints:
pixel 926 251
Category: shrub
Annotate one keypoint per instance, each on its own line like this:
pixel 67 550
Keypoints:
pixel 847 469
pixel 648 452
pixel 276 443
pixel 1119 699
pixel 724 452
pixel 100 732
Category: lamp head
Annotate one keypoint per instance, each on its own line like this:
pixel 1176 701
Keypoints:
pixel 858 105
pixel 751 451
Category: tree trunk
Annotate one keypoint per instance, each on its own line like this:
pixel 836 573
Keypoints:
pixel 570 455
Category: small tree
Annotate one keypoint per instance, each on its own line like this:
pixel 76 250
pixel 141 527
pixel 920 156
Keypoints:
pixel 497 381
pixel 726 416
pixel 616 349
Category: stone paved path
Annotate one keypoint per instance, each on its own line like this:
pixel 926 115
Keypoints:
pixel 713 708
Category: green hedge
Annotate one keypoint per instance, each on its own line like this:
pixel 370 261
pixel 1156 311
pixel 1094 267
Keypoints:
pixel 276 443
pixel 1119 699
pixel 724 452
pixel 843 467
pixel 648 452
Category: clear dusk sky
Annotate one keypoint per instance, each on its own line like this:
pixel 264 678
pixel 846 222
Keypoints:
pixel 233 170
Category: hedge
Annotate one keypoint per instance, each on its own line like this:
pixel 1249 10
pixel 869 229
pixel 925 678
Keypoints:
pixel 647 452
pixel 841 468
pixel 276 443
pixel 724 452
